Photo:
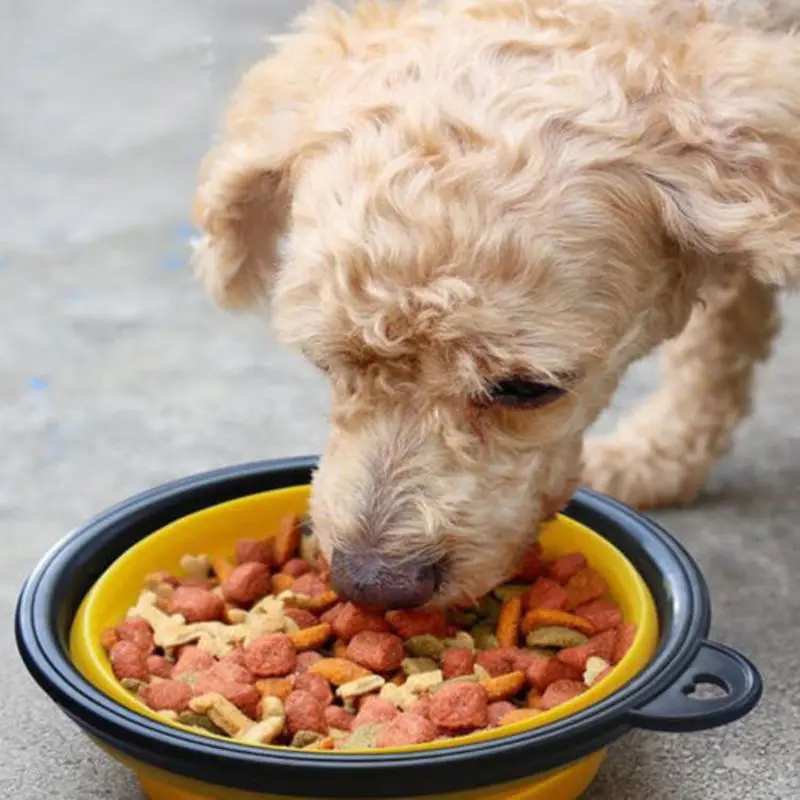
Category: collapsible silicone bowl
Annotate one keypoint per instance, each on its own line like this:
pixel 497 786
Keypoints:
pixel 89 579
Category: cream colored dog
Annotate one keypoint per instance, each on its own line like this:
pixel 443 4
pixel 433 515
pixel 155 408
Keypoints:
pixel 492 207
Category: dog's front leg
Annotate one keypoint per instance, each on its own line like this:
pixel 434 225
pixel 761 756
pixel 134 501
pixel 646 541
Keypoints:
pixel 662 453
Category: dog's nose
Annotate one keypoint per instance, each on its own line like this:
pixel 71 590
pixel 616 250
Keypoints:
pixel 368 579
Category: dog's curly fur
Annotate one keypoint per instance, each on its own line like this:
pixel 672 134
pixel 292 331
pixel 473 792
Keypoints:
pixel 477 189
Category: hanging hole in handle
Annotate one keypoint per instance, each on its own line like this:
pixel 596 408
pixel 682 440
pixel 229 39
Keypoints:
pixel 706 687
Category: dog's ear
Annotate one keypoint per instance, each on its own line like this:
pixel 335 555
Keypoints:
pixel 242 201
pixel 727 177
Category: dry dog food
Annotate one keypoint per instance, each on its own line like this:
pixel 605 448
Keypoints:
pixel 261 649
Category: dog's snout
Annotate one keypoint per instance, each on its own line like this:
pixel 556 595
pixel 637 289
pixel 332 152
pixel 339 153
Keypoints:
pixel 368 578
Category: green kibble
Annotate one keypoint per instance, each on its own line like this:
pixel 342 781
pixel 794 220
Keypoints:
pixel 201 721
pixel 415 666
pixel 484 637
pixel 464 619
pixel 306 738
pixel 364 737
pixel 508 591
pixel 555 636
pixel 461 639
pixel 425 646
pixel 489 608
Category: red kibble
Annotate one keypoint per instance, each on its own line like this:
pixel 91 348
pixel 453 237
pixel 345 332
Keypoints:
pixel 460 707
pixel 254 551
pixel 374 709
pixel 296 567
pixel 544 671
pixel 128 661
pixel 499 710
pixel 330 615
pixel 270 656
pixel 498 661
pixel 421 707
pixel 231 671
pixel 560 692
pixel 524 659
pixel 167 696
pixel 545 593
pixel 307 659
pixel 301 617
pixel 137 632
pixel 406 729
pixel 159 667
pixel 195 604
pixel 309 584
pixel 532 565
pixel 352 619
pixel 601 646
pixel 563 568
pixel 626 634
pixel 304 712
pixel 417 622
pixel 457 661
pixel 247 584
pixel 337 717
pixel 244 696
pixel 314 684
pixel 379 652
pixel 192 659
pixel 603 614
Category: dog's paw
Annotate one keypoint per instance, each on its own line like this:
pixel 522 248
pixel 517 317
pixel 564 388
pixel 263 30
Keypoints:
pixel 641 474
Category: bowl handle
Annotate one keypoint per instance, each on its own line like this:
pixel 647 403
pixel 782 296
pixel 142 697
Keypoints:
pixel 678 710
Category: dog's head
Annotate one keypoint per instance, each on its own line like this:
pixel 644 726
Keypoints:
pixel 484 227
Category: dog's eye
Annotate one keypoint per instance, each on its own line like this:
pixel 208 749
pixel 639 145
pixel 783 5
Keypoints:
pixel 522 393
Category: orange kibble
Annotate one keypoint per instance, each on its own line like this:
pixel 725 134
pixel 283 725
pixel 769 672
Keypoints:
pixel 311 638
pixel 504 687
pixel 508 624
pixel 281 582
pixel 222 569
pixel 520 715
pixel 275 687
pixel 338 671
pixel 550 617
pixel 340 648
pixel 585 586
pixel 287 540
pixel 533 699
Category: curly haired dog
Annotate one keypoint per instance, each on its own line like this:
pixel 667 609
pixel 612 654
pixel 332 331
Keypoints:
pixel 491 208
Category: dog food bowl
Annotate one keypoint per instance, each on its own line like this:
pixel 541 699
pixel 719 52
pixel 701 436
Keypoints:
pixel 88 581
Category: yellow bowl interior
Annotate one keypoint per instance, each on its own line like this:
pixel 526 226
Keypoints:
pixel 215 530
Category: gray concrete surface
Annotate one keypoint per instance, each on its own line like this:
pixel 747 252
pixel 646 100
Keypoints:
pixel 116 374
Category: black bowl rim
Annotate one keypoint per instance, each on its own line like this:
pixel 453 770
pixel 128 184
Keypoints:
pixel 41 630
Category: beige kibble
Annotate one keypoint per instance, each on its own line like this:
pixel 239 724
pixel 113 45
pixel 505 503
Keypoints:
pixel 399 696
pixel 484 637
pixel 360 686
pixel 133 685
pixel 224 714
pixel 197 567
pixel 264 732
pixel 424 681
pixel 194 720
pixel 363 738
pixel 595 666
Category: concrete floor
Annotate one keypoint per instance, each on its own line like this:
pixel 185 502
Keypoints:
pixel 116 374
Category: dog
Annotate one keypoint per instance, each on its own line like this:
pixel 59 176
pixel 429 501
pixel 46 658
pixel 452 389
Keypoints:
pixel 472 216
